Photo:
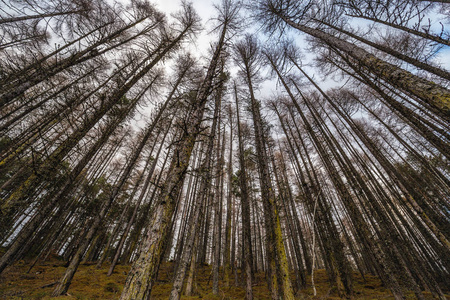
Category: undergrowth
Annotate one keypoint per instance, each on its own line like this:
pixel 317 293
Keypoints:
pixel 92 283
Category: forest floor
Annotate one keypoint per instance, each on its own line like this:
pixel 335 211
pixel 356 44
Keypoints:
pixel 92 283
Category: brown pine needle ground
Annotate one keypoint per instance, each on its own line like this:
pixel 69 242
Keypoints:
pixel 92 283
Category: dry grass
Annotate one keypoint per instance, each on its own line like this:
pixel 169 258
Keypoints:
pixel 92 283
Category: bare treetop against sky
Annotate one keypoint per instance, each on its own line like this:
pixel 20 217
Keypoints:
pixel 278 138
pixel 205 9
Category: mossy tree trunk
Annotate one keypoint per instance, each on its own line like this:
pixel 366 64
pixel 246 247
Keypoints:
pixel 432 94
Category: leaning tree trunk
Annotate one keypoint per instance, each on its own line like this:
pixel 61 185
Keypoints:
pixel 418 33
pixel 410 60
pixel 218 209
pixel 431 93
pixel 70 272
pixel 56 157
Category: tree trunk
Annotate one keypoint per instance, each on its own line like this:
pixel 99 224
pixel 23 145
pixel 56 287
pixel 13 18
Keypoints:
pixel 144 271
pixel 432 94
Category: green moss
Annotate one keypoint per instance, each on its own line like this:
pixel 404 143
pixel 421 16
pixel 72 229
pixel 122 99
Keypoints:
pixel 112 287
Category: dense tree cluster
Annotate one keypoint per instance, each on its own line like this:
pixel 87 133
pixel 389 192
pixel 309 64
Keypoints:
pixel 118 146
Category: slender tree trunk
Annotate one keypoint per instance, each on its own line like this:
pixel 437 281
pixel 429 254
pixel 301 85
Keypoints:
pixel 421 34
pixel 227 262
pixel 248 259
pixel 415 62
